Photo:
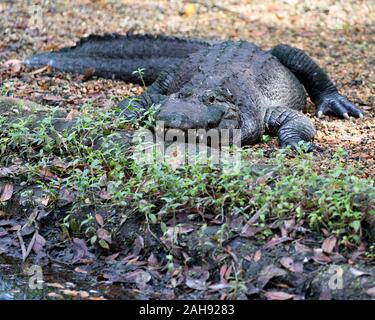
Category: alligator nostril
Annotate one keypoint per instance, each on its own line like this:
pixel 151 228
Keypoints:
pixel 211 99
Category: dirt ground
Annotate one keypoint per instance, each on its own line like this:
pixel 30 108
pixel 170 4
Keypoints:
pixel 337 34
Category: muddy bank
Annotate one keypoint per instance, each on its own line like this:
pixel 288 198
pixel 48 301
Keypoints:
pixel 190 261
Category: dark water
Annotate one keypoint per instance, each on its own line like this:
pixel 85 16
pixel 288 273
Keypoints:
pixel 17 284
pixel 13 288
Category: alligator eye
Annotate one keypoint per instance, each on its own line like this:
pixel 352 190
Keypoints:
pixel 211 99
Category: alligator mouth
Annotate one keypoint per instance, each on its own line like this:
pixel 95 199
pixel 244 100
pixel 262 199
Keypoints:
pixel 185 115
pixel 196 122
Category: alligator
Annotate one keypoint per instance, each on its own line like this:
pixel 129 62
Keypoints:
pixel 206 84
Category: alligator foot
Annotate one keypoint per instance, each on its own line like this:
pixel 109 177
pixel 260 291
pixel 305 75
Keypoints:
pixel 306 147
pixel 291 126
pixel 297 146
pixel 336 104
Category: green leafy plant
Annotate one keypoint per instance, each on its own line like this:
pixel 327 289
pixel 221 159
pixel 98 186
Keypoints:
pixel 141 72
pixel 279 187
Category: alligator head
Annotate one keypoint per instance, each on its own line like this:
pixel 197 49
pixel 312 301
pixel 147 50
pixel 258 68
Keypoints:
pixel 205 109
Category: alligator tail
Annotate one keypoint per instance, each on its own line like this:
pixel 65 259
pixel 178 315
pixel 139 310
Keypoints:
pixel 118 56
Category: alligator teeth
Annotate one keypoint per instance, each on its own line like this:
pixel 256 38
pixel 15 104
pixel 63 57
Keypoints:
pixel 345 115
pixel 320 114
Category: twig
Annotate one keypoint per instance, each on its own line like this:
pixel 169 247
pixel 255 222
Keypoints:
pixel 30 221
pixel 26 253
pixel 31 244
pixel 254 218
pixel 22 244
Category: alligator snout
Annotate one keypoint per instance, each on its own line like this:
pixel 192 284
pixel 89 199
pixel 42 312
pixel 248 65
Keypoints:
pixel 184 115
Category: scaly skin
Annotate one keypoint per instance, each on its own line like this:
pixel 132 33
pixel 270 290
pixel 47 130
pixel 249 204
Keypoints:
pixel 201 85
pixel 117 56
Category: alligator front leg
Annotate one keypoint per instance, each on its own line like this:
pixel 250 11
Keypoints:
pixel 155 94
pixel 135 107
pixel 290 125
pixel 318 85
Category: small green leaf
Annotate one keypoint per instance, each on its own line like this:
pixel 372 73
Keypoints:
pixel 103 244
pixel 93 239
pixel 356 225
pixel 163 227
pixel 153 218
pixel 266 138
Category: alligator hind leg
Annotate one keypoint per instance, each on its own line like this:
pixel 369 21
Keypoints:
pixel 320 88
pixel 290 125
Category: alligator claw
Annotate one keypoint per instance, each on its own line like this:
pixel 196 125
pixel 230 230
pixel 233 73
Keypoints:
pixel 336 104
pixel 297 146
pixel 307 147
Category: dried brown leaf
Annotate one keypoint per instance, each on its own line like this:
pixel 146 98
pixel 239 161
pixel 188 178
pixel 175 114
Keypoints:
pixel 81 250
pixel 7 192
pixel 104 234
pixel 279 295
pixel 39 244
pixel 371 291
pixel 329 244
pixel 289 264
pixel 138 245
pixel 153 261
pixel 13 65
pixel 267 273
pixel 257 255
pixel 99 219
pixel 65 198
pixel 275 242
